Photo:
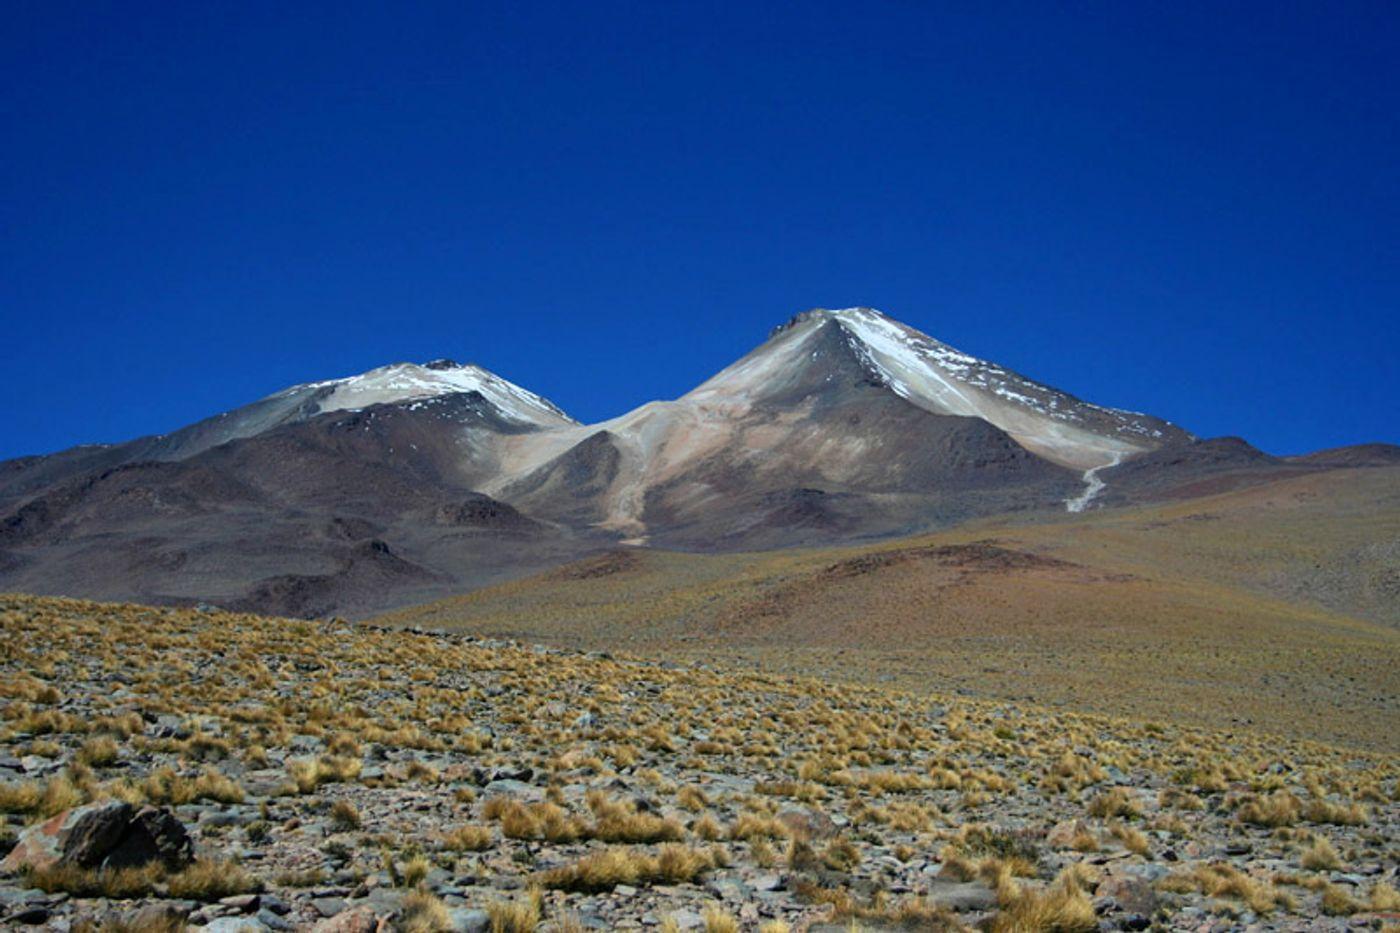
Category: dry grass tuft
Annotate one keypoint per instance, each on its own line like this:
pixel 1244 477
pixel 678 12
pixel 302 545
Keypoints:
pixel 344 816
pixel 603 871
pixel 1321 856
pixel 423 912
pixel 469 838
pixel 1062 906
pixel 1277 809
pixel 517 916
pixel 204 880
pixel 1117 802
pixel 308 774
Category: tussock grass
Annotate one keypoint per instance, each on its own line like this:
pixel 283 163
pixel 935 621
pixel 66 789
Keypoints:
pixel 345 816
pixel 616 821
pixel 537 821
pixel 421 911
pixel 204 880
pixel 521 915
pixel 1321 811
pixel 908 775
pixel 1061 906
pixel 1220 879
pixel 469 838
pixel 1117 802
pixel 1321 856
pixel 309 774
pixel 603 871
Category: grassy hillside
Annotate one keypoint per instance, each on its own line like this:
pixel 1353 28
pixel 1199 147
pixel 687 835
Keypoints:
pixel 429 782
pixel 1276 607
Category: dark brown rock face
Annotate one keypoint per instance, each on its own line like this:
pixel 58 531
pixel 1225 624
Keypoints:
pixel 152 835
pixel 113 834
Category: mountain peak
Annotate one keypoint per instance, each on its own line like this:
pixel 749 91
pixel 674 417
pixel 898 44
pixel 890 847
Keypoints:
pixel 826 314
pixel 942 380
pixel 401 382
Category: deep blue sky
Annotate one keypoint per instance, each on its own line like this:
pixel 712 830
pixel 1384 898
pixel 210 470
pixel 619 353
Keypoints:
pixel 1188 209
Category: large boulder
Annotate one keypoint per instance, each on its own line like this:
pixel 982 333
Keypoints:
pixel 80 836
pixel 153 835
pixel 111 834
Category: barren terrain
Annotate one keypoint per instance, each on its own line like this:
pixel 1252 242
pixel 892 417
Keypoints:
pixel 1271 607
pixel 344 777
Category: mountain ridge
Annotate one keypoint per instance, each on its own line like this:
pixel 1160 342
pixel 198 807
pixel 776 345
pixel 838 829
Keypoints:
pixel 844 425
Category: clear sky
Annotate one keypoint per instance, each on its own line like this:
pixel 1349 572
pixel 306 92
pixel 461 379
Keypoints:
pixel 1191 209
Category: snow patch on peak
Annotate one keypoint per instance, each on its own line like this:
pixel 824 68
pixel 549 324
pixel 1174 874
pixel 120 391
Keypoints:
pixel 944 380
pixel 399 382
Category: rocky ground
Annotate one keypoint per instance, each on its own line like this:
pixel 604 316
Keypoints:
pixel 170 768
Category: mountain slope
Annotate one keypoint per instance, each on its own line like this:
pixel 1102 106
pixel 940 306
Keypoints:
pixel 1277 604
pixel 843 426
pixel 945 381
pixel 341 511
pixel 496 403
pixel 909 431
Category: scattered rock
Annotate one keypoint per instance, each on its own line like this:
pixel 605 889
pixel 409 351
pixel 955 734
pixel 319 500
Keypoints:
pixel 1062 835
pixel 1133 895
pixel 356 920
pixel 30 916
pixel 962 896
pixel 466 920
pixel 160 915
pixel 807 823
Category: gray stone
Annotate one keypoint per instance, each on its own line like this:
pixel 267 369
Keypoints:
pixel 768 883
pixel 465 920
pixel 37 764
pixel 275 904
pixel 516 789
pixel 1133 894
pixel 168 726
pixel 807 823
pixel 727 889
pixel 274 921
pixel 235 925
pixel 243 902
pixel 962 896
pixel 162 914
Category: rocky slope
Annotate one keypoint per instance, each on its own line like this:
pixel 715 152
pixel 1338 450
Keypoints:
pixel 284 775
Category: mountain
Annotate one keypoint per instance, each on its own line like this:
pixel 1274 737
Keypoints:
pixel 506 406
pixel 352 492
pixel 412 481
pixel 843 422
